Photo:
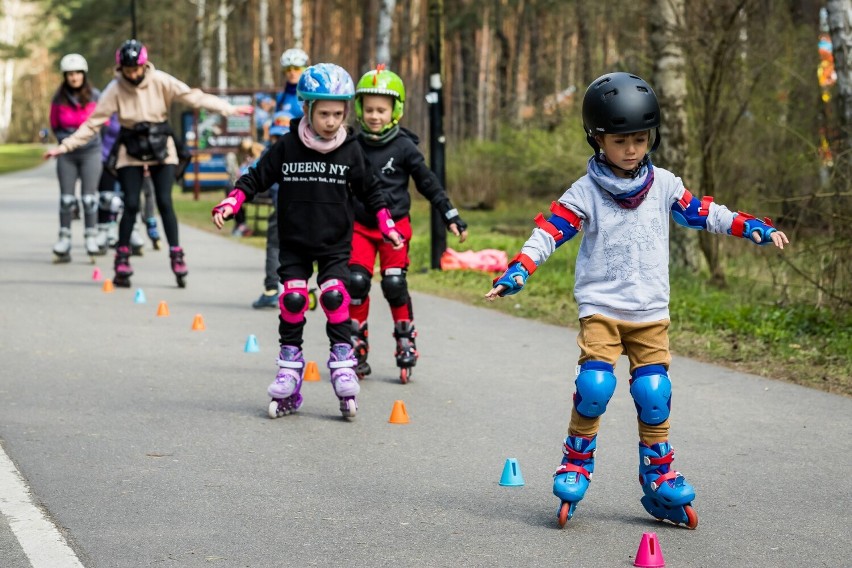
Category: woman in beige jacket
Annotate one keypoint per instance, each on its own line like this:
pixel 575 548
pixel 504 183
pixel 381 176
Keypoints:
pixel 141 96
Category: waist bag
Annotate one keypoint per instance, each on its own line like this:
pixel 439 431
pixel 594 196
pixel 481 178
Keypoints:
pixel 147 141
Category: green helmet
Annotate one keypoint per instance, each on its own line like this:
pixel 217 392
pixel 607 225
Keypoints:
pixel 380 81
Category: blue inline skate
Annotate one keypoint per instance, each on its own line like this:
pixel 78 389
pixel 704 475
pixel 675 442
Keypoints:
pixel 285 389
pixel 153 232
pixel 572 478
pixel 667 494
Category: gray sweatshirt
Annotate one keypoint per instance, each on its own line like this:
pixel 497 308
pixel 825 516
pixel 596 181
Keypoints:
pixel 622 269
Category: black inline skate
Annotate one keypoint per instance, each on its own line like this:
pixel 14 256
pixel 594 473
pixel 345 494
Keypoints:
pixel 123 270
pixel 406 350
pixel 361 347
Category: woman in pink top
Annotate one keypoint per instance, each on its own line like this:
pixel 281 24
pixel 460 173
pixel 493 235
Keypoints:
pixel 72 104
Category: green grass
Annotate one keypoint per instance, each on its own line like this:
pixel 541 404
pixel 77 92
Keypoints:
pixel 741 326
pixel 14 157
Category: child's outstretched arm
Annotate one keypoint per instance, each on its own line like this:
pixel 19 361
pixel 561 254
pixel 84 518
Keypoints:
pixel 704 214
pixel 549 234
pixel 429 186
pixel 257 179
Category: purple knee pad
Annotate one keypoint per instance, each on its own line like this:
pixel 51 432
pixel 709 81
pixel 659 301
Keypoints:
pixel 334 300
pixel 293 301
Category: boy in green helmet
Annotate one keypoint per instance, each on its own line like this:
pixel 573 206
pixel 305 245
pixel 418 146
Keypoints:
pixel 392 152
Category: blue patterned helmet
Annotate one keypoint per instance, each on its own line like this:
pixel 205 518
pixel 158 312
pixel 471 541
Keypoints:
pixel 325 82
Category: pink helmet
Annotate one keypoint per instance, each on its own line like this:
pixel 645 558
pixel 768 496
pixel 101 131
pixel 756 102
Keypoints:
pixel 131 54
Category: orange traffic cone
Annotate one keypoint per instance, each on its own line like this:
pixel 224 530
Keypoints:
pixel 198 323
pixel 399 415
pixel 108 287
pixel 311 372
pixel 162 309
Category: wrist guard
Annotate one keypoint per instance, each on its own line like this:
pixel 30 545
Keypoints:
pixel 744 225
pixel 522 266
pixel 235 199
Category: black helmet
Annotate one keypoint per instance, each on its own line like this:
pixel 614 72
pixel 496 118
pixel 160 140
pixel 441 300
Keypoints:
pixel 620 103
pixel 131 54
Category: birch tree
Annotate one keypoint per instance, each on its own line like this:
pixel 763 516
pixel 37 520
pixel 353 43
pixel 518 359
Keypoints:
pixel 8 33
pixel 205 59
pixel 263 34
pixel 222 36
pixel 669 81
pixel 383 36
pixel 840 28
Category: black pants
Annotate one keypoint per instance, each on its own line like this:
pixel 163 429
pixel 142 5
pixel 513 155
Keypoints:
pixel 296 266
pixel 163 178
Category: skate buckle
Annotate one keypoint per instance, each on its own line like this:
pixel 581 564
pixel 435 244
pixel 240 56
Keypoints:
pixel 341 364
pixel 290 364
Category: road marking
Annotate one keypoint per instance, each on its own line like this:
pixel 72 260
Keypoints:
pixel 41 540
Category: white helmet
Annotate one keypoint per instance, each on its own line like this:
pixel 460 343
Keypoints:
pixel 73 62
pixel 294 57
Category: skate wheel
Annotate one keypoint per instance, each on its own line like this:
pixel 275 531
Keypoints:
pixel 181 282
pixel 563 514
pixel 312 299
pixel 348 408
pixel 404 375
pixel 691 517
pixel 273 409
pixel 156 245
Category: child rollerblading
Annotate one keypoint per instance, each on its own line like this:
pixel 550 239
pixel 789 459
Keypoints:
pixel 315 224
pixel 624 309
pixel 153 232
pixel 392 150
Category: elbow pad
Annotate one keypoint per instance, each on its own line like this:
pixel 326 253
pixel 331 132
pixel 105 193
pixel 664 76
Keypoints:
pixel 744 225
pixel 562 225
pixel 691 212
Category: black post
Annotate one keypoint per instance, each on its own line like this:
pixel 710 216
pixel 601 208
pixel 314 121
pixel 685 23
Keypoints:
pixel 437 139
pixel 133 19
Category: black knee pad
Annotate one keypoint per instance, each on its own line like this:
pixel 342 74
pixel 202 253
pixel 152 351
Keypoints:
pixel 359 284
pixel 395 286
pixel 294 303
pixel 331 300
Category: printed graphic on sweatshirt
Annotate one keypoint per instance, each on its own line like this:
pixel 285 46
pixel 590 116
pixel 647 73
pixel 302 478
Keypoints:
pixel 632 242
pixel 314 172
pixel 388 168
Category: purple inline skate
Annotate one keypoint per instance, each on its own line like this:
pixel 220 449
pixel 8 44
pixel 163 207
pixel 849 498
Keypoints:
pixel 342 363
pixel 284 390
pixel 178 266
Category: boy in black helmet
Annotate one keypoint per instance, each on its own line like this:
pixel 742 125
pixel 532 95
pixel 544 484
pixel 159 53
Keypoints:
pixel 621 286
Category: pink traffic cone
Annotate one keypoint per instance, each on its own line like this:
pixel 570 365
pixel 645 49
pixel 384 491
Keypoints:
pixel 649 554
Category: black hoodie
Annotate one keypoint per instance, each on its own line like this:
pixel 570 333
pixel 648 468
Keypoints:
pixel 315 195
pixel 393 164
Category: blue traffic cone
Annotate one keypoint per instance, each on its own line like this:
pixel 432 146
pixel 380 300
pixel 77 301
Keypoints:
pixel 251 345
pixel 140 296
pixel 512 474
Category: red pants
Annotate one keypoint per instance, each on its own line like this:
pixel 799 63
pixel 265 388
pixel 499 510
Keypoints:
pixel 366 245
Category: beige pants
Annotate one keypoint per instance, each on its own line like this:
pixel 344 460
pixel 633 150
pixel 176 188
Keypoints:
pixel 605 339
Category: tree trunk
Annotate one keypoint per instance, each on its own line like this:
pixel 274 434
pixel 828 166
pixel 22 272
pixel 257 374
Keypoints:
pixel 669 81
pixel 205 58
pixel 840 27
pixel 297 24
pixel 383 36
pixel 8 37
pixel 222 36
pixel 263 34
pixel 483 98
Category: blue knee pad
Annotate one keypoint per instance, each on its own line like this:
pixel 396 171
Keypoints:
pixel 595 386
pixel 651 390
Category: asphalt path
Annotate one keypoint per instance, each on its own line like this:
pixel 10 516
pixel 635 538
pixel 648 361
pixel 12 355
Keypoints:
pixel 146 443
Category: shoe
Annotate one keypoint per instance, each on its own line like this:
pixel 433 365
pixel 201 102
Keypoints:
pixel 268 299
pixel 242 230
